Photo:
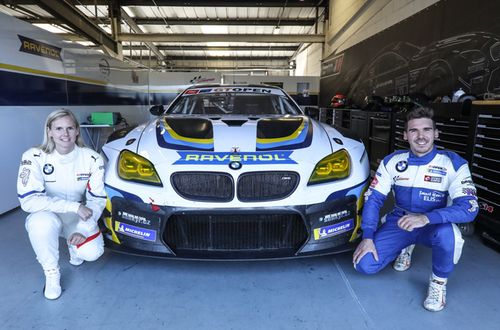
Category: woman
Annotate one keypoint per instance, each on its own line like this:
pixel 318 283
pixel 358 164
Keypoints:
pixel 60 184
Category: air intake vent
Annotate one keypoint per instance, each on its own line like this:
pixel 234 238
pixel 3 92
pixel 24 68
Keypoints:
pixel 204 186
pixel 233 122
pixel 232 235
pixel 266 186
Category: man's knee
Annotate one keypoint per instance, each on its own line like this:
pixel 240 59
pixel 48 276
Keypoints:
pixel 368 265
pixel 444 237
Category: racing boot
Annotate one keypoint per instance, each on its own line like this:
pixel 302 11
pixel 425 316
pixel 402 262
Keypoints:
pixel 52 288
pixel 436 294
pixel 403 261
pixel 73 258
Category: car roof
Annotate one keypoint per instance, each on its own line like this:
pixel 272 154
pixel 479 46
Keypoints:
pixel 232 85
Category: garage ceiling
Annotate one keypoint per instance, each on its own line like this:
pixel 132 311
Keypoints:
pixel 184 35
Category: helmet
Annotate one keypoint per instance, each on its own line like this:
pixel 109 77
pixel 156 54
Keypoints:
pixel 457 95
pixel 466 97
pixel 338 101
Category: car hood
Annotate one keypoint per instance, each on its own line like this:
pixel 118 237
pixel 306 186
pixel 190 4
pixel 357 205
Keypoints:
pixel 177 136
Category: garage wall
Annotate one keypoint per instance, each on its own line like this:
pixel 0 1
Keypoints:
pixel 427 56
pixel 351 22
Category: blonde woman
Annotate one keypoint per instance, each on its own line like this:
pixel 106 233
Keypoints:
pixel 60 184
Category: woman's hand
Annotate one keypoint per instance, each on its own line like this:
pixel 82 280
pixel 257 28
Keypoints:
pixel 84 212
pixel 76 238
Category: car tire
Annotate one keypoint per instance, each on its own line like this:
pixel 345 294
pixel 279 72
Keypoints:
pixel 467 229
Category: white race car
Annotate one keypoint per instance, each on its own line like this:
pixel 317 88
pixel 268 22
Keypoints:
pixel 233 172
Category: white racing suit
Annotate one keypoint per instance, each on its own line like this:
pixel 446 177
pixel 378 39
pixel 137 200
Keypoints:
pixel 51 187
pixel 439 185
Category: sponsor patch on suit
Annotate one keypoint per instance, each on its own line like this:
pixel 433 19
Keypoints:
pixel 435 179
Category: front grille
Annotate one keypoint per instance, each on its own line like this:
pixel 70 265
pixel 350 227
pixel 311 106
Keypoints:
pixel 266 186
pixel 204 186
pixel 233 233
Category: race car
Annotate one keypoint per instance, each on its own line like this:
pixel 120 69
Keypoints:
pixel 233 172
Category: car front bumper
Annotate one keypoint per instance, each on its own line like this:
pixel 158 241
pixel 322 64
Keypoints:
pixel 232 233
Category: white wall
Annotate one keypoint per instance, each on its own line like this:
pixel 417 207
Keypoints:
pixel 308 60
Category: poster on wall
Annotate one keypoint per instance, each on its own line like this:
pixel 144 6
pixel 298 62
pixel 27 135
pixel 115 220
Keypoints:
pixel 430 55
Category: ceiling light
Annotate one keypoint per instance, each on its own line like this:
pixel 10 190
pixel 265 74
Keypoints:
pixel 276 30
pixel 214 29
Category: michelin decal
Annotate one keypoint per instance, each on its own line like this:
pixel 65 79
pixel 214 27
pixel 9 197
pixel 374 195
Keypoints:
pixel 133 231
pixel 336 229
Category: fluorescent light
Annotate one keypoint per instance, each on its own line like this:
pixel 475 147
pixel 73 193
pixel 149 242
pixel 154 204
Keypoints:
pixel 214 29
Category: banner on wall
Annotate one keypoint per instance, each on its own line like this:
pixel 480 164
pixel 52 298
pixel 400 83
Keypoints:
pixel 432 54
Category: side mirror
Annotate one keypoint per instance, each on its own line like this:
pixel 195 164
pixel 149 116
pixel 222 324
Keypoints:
pixel 157 110
pixel 312 112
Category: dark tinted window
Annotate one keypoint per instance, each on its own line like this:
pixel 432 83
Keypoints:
pixel 234 104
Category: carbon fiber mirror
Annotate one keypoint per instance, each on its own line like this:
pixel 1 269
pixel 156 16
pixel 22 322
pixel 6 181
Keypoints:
pixel 157 110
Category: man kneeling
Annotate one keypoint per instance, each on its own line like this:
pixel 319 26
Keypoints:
pixel 433 190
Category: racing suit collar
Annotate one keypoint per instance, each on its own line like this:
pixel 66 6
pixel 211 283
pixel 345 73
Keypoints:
pixel 67 158
pixel 425 159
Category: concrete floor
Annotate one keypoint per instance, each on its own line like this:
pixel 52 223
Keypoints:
pixel 127 292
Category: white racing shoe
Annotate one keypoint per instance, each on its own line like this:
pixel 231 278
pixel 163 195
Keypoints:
pixel 436 296
pixel 403 261
pixel 73 259
pixel 52 288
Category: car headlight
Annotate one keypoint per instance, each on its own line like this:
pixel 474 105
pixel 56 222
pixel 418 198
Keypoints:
pixel 333 167
pixel 133 167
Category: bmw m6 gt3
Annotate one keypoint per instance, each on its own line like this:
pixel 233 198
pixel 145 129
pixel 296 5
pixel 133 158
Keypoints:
pixel 233 172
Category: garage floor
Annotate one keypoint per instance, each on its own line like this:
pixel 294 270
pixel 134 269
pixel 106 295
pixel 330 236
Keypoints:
pixel 127 292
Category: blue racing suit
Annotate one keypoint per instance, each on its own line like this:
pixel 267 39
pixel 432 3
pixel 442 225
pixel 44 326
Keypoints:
pixel 439 185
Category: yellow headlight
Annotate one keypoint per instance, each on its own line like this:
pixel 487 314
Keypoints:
pixel 333 167
pixel 134 167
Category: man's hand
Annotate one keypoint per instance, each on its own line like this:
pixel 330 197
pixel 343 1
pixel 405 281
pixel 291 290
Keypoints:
pixel 366 246
pixel 84 212
pixel 76 238
pixel 411 221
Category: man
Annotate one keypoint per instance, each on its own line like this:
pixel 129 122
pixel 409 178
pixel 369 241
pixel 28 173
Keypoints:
pixel 433 190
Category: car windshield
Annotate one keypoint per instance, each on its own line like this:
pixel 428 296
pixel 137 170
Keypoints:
pixel 230 103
